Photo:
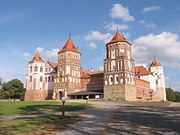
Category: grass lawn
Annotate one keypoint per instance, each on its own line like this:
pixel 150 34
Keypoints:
pixel 38 126
pixel 20 108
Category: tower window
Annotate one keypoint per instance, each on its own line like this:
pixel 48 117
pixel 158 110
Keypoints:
pixel 111 79
pixel 46 79
pixel 35 68
pixel 30 78
pixel 117 79
pixel 52 78
pixel 49 79
pixel 40 78
pixel 46 69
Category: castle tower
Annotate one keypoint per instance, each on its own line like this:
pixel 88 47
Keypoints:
pixel 119 72
pixel 35 82
pixel 159 94
pixel 68 71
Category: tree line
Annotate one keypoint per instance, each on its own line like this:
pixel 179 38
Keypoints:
pixel 13 89
pixel 172 95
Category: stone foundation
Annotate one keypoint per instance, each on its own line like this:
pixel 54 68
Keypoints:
pixel 120 93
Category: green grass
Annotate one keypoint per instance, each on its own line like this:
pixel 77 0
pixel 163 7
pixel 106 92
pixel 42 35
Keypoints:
pixel 23 108
pixel 38 125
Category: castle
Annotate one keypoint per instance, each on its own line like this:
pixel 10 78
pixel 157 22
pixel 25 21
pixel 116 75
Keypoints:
pixel 121 80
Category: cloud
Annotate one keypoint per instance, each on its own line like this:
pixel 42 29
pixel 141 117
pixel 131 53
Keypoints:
pixel 39 49
pixel 112 26
pixel 92 45
pixel 98 36
pixel 27 56
pixel 146 24
pixel 47 53
pixel 165 46
pixel 118 11
pixel 51 53
pixel 151 8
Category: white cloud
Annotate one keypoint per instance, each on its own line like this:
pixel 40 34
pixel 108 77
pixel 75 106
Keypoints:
pixel 146 24
pixel 165 46
pixel 118 11
pixel 113 26
pixel 39 49
pixel 92 45
pixel 97 36
pixel 27 56
pixel 51 53
pixel 47 53
pixel 151 8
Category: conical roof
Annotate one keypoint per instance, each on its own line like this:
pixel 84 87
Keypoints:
pixel 69 46
pixel 37 57
pixel 155 63
pixel 118 37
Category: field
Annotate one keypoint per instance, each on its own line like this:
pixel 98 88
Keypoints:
pixel 48 124
pixel 25 108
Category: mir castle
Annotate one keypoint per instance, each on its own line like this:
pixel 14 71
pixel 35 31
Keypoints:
pixel 121 80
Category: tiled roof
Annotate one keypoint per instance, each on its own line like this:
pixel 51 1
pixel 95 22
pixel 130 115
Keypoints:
pixel 118 37
pixel 141 70
pixel 69 46
pixel 155 63
pixel 37 57
pixel 53 64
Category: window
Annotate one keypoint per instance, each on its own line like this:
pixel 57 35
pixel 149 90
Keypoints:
pixel 111 79
pixel 46 69
pixel 35 68
pixel 40 78
pixel 41 69
pixel 156 81
pixel 30 68
pixel 52 78
pixel 46 79
pixel 49 69
pixel 49 79
pixel 30 78
pixel 117 79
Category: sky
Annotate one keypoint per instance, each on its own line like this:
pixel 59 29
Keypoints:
pixel 27 27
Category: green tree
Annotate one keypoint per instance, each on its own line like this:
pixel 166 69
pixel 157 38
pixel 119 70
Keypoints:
pixel 13 89
pixel 172 95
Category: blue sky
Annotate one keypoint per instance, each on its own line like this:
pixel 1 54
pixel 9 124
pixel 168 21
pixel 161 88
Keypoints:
pixel 153 27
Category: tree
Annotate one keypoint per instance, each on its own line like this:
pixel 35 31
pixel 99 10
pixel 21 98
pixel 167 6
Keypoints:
pixel 13 89
pixel 172 95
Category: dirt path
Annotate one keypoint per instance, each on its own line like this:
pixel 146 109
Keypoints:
pixel 120 118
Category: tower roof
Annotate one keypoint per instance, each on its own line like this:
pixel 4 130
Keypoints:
pixel 118 37
pixel 155 63
pixel 69 46
pixel 37 57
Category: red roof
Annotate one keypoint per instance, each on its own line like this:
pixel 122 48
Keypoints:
pixel 141 70
pixel 118 37
pixel 69 46
pixel 37 57
pixel 155 63
pixel 53 64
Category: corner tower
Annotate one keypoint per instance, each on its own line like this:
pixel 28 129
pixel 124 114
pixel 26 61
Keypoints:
pixel 119 71
pixel 35 82
pixel 159 93
pixel 68 71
